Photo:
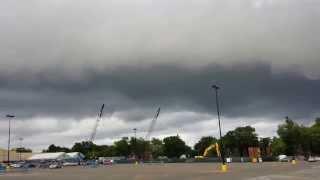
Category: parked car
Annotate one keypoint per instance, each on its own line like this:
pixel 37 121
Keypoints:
pixel 29 165
pixel 107 162
pixel 17 165
pixel 2 168
pixel 55 166
pixel 44 165
pixel 284 158
pixel 312 159
pixel 70 164
pixel 92 163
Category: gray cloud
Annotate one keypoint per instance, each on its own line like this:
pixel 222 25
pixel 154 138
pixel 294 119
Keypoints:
pixel 248 90
pixel 73 35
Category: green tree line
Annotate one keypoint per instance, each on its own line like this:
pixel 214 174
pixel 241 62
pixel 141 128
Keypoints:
pixel 293 139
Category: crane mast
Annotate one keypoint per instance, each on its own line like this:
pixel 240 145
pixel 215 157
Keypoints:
pixel 94 132
pixel 152 125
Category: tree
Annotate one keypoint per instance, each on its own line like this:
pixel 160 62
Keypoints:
pixel 203 143
pixel 139 147
pixel 315 137
pixel 299 139
pixel 305 143
pixel 241 138
pixel 278 146
pixel 230 143
pixel 122 147
pixel 190 152
pixel 23 150
pixel 93 151
pixel 265 144
pixel 54 148
pixel 157 148
pixel 291 134
pixel 174 147
pixel 87 148
pixel 105 151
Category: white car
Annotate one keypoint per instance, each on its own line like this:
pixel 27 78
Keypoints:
pixel 16 165
pixel 284 158
pixel 70 164
pixel 312 159
pixel 55 166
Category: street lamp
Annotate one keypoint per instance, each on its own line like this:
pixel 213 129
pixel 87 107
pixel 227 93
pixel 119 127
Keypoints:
pixel 135 144
pixel 20 139
pixel 135 141
pixel 293 161
pixel 224 167
pixel 135 132
pixel 9 131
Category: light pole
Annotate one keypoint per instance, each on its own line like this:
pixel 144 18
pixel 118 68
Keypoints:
pixel 293 161
pixel 20 139
pixel 216 88
pixel 135 144
pixel 9 135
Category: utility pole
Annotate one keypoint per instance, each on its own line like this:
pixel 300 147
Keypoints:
pixel 224 167
pixel 293 161
pixel 9 135
pixel 135 142
pixel 20 139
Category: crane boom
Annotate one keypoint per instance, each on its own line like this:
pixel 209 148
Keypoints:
pixel 153 123
pixel 94 132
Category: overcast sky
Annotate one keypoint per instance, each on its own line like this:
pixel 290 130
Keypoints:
pixel 61 59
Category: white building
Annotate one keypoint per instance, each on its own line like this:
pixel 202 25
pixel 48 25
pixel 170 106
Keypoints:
pixel 74 158
pixel 75 155
pixel 58 156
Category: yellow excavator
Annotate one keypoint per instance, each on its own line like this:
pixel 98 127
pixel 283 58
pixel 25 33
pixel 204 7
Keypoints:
pixel 207 150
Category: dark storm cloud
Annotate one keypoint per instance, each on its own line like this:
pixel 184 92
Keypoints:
pixel 247 90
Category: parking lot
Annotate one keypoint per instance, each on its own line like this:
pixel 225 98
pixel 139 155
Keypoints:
pixel 198 171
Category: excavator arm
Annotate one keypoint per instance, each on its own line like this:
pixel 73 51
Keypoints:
pixel 213 146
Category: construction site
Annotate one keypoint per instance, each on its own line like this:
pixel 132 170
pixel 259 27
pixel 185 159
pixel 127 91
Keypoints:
pixel 213 161
pixel 159 90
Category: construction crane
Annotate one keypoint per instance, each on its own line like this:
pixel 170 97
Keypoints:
pixel 94 132
pixel 153 123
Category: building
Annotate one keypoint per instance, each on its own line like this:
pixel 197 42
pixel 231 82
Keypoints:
pixel 57 156
pixel 14 156
pixel 73 157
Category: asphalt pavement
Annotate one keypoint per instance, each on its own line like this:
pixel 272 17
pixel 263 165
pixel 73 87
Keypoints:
pixel 179 171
